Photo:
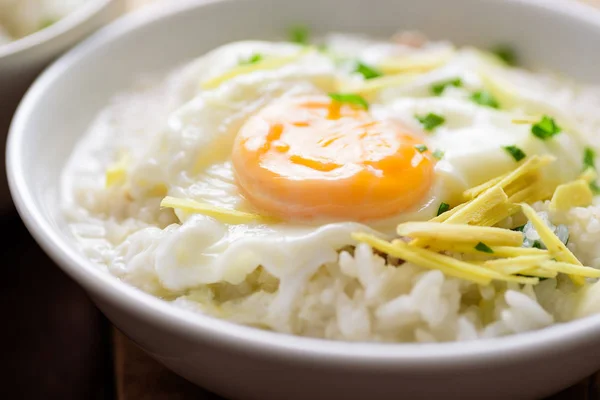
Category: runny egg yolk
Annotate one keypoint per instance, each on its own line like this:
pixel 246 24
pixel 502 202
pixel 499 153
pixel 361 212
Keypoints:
pixel 312 157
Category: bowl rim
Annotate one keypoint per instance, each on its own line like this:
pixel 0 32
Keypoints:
pixel 239 337
pixel 81 15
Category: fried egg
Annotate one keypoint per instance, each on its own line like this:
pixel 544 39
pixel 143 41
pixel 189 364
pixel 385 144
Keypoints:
pixel 268 138
pixel 312 157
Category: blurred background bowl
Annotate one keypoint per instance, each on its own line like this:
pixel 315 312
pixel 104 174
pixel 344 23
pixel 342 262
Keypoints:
pixel 23 59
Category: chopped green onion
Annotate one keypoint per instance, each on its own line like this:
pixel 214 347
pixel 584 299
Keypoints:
pixel 439 88
pixel 253 59
pixel 530 276
pixel 484 248
pixel 515 152
pixel 484 98
pixel 299 34
pixel 506 54
pixel 589 157
pixel 366 71
pixel 595 188
pixel 430 121
pixel 421 147
pixel 443 208
pixel 546 128
pixel 350 98
pixel 438 154
pixel 519 228
pixel 537 245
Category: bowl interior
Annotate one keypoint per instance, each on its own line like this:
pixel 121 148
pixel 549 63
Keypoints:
pixel 64 101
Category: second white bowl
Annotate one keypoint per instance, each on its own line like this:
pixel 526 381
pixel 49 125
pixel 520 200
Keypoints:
pixel 22 60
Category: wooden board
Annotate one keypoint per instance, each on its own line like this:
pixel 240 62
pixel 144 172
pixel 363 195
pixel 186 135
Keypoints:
pixel 140 377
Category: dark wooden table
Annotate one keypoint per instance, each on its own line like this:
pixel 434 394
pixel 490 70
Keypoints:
pixel 56 345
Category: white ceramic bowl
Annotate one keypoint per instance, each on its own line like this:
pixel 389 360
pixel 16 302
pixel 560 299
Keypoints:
pixel 22 60
pixel 245 363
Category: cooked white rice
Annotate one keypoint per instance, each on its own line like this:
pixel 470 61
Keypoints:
pixel 362 297
pixel 356 295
